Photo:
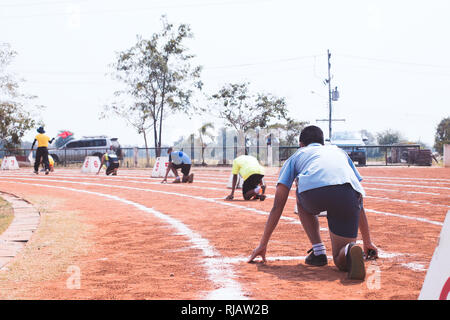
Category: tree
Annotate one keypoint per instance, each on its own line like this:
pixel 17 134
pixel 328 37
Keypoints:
pixel 203 135
pixel 16 111
pixel 442 135
pixel 244 110
pixel 389 137
pixel 158 78
pixel 291 131
pixel 137 117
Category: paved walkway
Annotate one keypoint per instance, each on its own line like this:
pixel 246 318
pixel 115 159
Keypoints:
pixel 25 222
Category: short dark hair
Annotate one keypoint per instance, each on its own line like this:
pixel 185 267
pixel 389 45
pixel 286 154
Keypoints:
pixel 311 134
pixel 170 149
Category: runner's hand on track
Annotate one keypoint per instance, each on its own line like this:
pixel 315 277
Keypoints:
pixel 260 251
pixel 370 247
pixel 229 197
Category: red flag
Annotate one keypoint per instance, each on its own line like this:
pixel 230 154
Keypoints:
pixel 65 134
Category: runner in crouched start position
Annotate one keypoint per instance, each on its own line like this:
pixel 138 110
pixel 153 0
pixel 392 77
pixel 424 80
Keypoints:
pixel 51 163
pixel 252 172
pixel 112 163
pixel 327 181
pixel 179 160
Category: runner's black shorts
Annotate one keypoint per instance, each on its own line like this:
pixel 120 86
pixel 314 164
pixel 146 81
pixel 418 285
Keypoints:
pixel 342 203
pixel 111 167
pixel 251 183
pixel 185 168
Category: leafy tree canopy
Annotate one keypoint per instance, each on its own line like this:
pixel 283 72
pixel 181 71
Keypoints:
pixel 16 111
pixel 244 110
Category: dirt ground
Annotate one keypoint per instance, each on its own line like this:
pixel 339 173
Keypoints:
pixel 131 237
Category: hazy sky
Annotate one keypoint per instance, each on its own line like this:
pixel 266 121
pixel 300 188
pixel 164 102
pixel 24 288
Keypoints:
pixel 389 58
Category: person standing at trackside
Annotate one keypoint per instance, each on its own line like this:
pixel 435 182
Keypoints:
pixel 327 181
pixel 252 172
pixel 111 161
pixel 42 150
pixel 179 160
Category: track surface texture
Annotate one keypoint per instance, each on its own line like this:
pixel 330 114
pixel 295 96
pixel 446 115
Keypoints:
pixel 131 237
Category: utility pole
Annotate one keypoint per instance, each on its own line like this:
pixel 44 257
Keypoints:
pixel 332 96
pixel 329 94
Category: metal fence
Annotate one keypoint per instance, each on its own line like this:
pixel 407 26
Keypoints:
pixel 223 156
pixel 375 155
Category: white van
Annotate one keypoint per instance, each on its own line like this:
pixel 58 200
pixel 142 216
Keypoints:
pixel 76 150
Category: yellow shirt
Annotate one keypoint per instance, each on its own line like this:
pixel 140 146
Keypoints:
pixel 42 140
pixel 51 161
pixel 246 166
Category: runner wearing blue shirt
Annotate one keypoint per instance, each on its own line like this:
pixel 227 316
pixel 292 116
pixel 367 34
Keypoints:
pixel 327 181
pixel 179 160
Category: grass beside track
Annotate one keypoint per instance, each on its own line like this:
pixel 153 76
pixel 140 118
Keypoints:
pixel 6 215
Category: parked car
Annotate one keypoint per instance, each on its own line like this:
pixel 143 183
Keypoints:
pixel 353 143
pixel 77 150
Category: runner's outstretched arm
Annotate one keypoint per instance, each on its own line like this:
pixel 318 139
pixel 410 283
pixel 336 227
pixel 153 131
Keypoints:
pixel 281 195
pixel 365 234
pixel 233 187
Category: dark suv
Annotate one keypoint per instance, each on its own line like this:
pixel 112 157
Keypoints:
pixel 353 143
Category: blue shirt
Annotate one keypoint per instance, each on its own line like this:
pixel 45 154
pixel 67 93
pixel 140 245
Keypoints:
pixel 179 157
pixel 318 166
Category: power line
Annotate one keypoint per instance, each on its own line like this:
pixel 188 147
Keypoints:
pixel 205 68
pixel 133 10
pixel 35 4
pixel 263 63
pixel 372 67
pixel 382 60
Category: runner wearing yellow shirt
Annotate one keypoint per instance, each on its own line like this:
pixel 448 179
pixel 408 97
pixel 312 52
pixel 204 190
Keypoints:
pixel 252 173
pixel 42 150
pixel 51 163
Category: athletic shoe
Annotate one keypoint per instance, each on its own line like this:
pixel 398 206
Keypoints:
pixel 36 172
pixel 46 171
pixel 262 197
pixel 191 178
pixel 176 181
pixel 355 262
pixel 314 260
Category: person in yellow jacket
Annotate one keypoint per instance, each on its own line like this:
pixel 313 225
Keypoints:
pixel 42 151
pixel 252 172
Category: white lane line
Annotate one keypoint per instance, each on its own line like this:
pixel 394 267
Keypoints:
pixel 382 254
pixel 406 185
pixel 268 187
pixel 221 181
pixel 409 178
pixel 422 203
pixel 220 272
pixel 403 191
pixel 225 203
pixel 405 217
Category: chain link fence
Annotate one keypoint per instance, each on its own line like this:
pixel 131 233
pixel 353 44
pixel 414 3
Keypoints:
pixel 268 155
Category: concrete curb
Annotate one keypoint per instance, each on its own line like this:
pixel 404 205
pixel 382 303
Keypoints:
pixel 25 222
